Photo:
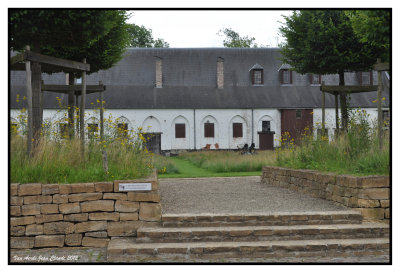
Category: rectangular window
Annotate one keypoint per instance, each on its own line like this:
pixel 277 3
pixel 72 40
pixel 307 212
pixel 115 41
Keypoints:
pixel 79 81
pixel 180 130
pixel 298 113
pixel 365 78
pixel 266 126
pixel 315 79
pixel 63 127
pixel 208 129
pixel 257 76
pixel 93 128
pixel 286 76
pixel 237 130
pixel 122 129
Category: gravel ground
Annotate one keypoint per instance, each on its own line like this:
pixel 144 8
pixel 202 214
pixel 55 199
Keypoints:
pixel 235 195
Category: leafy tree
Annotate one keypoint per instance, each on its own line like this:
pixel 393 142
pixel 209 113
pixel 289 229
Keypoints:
pixel 140 36
pixel 323 42
pixel 98 35
pixel 233 39
pixel 373 28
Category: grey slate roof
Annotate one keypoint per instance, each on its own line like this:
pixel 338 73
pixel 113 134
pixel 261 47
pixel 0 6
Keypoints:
pixel 190 81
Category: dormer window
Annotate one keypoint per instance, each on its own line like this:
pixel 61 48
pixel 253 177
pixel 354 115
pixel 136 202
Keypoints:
pixel 315 78
pixel 257 75
pixel 365 78
pixel 285 73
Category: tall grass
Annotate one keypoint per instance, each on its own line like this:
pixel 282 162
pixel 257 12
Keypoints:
pixel 355 152
pixel 61 162
pixel 228 161
pixel 58 159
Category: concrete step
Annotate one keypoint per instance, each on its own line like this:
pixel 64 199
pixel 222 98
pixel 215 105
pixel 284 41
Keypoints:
pixel 127 250
pixel 277 219
pixel 258 233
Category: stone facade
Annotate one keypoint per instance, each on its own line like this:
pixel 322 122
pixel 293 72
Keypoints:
pixel 85 214
pixel 368 194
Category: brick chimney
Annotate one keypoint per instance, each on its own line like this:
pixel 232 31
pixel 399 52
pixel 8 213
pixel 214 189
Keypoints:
pixel 158 72
pixel 220 73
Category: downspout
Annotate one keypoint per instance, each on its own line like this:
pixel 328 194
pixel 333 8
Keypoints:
pixel 252 125
pixel 194 127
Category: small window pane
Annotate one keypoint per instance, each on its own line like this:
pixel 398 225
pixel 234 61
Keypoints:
pixel 208 129
pixel 286 76
pixel 315 79
pixel 237 130
pixel 298 113
pixel 266 126
pixel 366 78
pixel 180 130
pixel 257 77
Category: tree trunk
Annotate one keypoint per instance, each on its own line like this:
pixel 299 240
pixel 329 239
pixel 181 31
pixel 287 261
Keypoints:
pixel 343 103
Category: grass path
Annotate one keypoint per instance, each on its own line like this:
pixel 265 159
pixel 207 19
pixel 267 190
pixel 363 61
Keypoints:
pixel 188 170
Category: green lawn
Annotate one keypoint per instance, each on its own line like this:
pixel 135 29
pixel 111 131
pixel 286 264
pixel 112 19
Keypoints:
pixel 187 170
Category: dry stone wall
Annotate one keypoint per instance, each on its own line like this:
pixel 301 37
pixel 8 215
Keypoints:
pixel 85 214
pixel 368 194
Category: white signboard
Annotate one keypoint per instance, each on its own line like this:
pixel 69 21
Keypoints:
pixel 135 187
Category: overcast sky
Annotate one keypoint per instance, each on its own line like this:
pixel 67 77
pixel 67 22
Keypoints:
pixel 199 28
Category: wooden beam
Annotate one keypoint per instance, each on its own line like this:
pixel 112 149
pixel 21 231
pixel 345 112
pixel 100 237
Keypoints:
pixel 58 88
pixel 82 113
pixel 17 59
pixel 39 58
pixel 29 98
pixel 382 67
pixel 348 88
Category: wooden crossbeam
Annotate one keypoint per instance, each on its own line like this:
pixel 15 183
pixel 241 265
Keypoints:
pixel 77 89
pixel 52 61
pixel 332 89
pixel 17 59
pixel 382 67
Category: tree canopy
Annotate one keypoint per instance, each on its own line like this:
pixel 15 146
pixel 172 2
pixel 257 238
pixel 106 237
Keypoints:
pixel 233 39
pixel 140 36
pixel 373 28
pixel 98 35
pixel 323 42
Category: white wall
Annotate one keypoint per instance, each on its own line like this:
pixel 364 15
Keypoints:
pixel 163 120
pixel 330 122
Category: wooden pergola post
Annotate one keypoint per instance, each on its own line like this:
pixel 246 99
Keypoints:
pixel 29 98
pixel 101 115
pixel 343 90
pixel 82 112
pixel 323 111
pixel 337 114
pixel 71 81
pixel 379 66
pixel 78 113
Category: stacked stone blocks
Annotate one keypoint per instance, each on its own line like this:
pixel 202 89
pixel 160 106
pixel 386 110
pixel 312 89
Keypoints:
pixel 84 214
pixel 368 194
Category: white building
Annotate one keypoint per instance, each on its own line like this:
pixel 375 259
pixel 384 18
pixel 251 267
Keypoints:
pixel 218 98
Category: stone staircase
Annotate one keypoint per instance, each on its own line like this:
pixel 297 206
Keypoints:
pixel 335 236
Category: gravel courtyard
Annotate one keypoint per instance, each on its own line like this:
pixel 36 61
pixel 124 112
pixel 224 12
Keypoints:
pixel 235 195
